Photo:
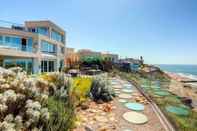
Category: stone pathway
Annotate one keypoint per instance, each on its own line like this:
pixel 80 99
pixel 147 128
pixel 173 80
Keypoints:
pixel 128 112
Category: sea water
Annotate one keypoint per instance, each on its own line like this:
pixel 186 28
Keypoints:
pixel 189 71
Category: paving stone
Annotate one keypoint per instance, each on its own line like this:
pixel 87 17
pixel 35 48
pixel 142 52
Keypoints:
pixel 135 118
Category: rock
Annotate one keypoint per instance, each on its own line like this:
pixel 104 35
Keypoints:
pixel 100 101
pixel 84 106
pixel 87 128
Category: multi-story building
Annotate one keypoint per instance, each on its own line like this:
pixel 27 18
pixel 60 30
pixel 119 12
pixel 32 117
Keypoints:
pixel 38 46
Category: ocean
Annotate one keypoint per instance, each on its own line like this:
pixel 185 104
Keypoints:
pixel 189 71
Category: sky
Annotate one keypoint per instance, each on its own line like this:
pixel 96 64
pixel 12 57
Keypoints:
pixel 162 31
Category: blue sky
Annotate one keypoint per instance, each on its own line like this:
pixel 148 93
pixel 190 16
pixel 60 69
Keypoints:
pixel 162 31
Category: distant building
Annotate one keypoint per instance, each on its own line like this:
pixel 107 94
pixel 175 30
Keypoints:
pixel 38 46
pixel 105 55
pixel 88 53
pixel 130 64
pixel 71 57
pixel 110 57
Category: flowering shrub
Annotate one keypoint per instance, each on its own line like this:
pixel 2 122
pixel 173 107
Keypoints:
pixel 25 103
pixel 101 89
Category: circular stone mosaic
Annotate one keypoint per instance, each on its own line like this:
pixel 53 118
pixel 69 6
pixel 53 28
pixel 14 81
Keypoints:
pixel 162 93
pixel 125 96
pixel 126 129
pixel 155 87
pixel 135 118
pixel 117 87
pixel 117 92
pixel 177 110
pixel 128 87
pixel 122 100
pixel 127 90
pixel 135 106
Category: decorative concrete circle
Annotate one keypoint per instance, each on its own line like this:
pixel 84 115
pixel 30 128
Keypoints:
pixel 127 90
pixel 122 100
pixel 162 93
pixel 125 129
pixel 117 87
pixel 125 96
pixel 135 106
pixel 127 87
pixel 117 92
pixel 135 118
pixel 177 110
pixel 155 87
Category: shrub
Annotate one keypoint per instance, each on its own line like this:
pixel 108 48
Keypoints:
pixel 101 89
pixel 38 103
pixel 81 88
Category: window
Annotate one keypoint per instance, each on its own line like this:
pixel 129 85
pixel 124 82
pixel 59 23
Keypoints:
pixel 57 36
pixel 47 66
pixel 51 66
pixel 14 42
pixel 62 50
pixel 32 30
pixel 47 47
pixel 25 64
pixel 24 45
pixel 1 40
pixel 43 31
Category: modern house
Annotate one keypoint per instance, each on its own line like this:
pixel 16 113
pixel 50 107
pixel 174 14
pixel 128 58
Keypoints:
pixel 110 57
pixel 104 55
pixel 38 46
pixel 130 64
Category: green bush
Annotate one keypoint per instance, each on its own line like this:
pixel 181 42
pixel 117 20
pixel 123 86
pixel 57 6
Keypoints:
pixel 62 115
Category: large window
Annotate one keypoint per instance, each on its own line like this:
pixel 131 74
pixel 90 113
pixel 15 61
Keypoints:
pixel 43 31
pixel 57 36
pixel 25 64
pixel 19 43
pixel 1 40
pixel 47 66
pixel 47 47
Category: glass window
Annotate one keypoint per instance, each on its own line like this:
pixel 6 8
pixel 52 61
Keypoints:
pixel 43 30
pixel 7 39
pixel 51 66
pixel 62 50
pixel 1 40
pixel 57 36
pixel 47 47
pixel 47 66
pixel 30 45
pixel 25 64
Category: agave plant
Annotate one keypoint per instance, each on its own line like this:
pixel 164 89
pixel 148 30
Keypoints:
pixel 101 89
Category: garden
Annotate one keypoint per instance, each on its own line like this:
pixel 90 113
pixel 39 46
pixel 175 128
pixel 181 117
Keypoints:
pixel 46 102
